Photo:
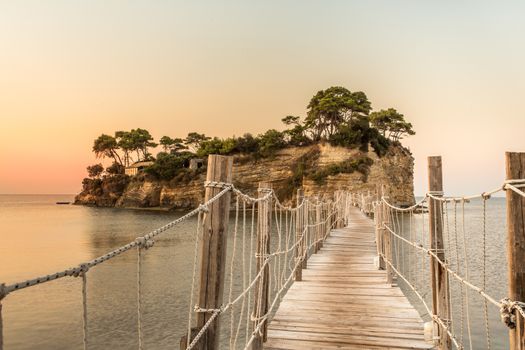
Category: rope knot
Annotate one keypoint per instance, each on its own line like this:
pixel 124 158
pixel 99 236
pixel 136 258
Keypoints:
pixel 485 195
pixel 203 208
pixel 507 313
pixel 143 242
pixel 80 270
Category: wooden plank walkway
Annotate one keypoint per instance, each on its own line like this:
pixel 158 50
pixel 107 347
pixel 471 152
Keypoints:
pixel 344 302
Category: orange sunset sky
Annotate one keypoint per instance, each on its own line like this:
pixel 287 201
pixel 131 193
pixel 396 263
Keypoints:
pixel 71 70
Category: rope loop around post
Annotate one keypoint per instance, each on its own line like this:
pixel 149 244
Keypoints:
pixel 203 208
pixel 507 313
pixel 218 184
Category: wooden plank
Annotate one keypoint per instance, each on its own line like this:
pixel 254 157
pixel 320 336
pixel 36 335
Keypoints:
pixel 344 302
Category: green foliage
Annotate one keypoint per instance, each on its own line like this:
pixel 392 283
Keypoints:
pixel 215 146
pixel 106 146
pixel 247 144
pixel 172 145
pixel 330 108
pixel 95 170
pixel 391 123
pixel 167 165
pixel 194 140
pixel 115 169
pixel 361 164
pixel 270 142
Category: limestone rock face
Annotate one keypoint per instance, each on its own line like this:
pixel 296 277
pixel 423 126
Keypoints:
pixel 393 172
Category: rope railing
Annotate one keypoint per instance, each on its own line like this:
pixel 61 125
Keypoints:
pixel 295 231
pixel 298 232
pixel 422 264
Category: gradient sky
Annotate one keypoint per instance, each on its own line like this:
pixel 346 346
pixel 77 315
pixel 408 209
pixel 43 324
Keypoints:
pixel 71 70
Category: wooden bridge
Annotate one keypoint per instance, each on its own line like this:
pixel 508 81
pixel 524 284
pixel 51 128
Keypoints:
pixel 305 276
pixel 344 301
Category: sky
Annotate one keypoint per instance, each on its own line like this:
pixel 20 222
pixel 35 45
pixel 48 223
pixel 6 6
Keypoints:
pixel 72 70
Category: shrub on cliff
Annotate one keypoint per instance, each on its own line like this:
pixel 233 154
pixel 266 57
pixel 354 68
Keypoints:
pixel 361 164
pixel 167 165
pixel 115 169
pixel 95 171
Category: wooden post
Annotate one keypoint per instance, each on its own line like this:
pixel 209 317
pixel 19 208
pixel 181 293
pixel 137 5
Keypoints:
pixel 306 229
pixel 440 293
pixel 264 213
pixel 387 244
pixel 213 249
pixel 378 217
pixel 515 169
pixel 298 234
pixel 318 226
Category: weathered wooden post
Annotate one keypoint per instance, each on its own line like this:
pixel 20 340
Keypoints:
pixel 264 213
pixel 318 226
pixel 213 248
pixel 379 219
pixel 387 244
pixel 440 293
pixel 515 170
pixel 306 230
pixel 298 235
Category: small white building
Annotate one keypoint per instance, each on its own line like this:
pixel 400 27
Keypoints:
pixel 137 167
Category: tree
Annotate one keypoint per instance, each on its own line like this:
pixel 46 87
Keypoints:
pixel 270 142
pixel 95 170
pixel 141 140
pixel 392 124
pixel 194 140
pixel 126 144
pixel 291 120
pixel 329 109
pixel 107 146
pixel 172 145
pixel 115 169
pixel 168 165
pixel 247 144
pixel 295 136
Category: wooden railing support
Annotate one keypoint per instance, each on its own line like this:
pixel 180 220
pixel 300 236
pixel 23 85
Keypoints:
pixel 380 233
pixel 298 234
pixel 318 228
pixel 515 169
pixel 440 292
pixel 213 249
pixel 387 244
pixel 261 302
pixel 306 229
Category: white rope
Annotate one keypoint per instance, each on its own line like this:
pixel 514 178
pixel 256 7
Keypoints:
pixel 84 310
pixel 75 270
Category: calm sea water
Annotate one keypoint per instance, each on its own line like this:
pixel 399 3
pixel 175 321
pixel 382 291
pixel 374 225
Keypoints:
pixel 39 237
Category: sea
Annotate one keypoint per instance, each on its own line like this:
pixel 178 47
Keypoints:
pixel 39 237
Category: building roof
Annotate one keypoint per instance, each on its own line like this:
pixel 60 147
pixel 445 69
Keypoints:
pixel 140 164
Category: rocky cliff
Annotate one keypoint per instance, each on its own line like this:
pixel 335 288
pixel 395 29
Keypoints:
pixel 320 169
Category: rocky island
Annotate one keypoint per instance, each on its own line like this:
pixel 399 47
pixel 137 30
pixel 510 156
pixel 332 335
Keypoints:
pixel 340 144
